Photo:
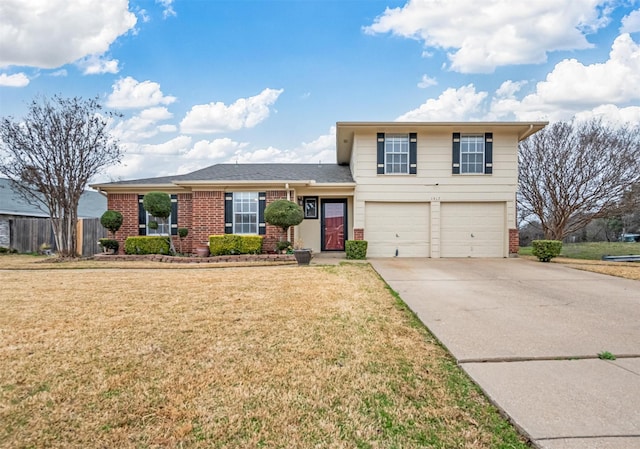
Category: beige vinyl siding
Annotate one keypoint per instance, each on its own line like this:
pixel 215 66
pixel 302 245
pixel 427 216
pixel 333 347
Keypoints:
pixel 472 230
pixel 434 183
pixel 401 227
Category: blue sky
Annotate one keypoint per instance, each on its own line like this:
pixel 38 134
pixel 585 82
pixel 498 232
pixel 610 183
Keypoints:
pixel 207 81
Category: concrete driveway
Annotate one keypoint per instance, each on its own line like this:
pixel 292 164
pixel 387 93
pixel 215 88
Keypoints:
pixel 529 334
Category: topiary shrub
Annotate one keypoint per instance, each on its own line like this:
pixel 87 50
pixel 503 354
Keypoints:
pixel 283 214
pixel 223 245
pixel 157 204
pixel 111 220
pixel 356 249
pixel 147 245
pixel 545 250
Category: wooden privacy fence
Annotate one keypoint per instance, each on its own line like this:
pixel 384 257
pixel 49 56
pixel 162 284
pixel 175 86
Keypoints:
pixel 27 234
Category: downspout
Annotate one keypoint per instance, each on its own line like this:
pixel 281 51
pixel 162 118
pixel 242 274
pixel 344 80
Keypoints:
pixel 526 134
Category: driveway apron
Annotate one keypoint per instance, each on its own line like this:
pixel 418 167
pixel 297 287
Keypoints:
pixel 529 335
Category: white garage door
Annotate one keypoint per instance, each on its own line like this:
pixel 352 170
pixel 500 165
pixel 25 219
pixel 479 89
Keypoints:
pixel 401 227
pixel 472 229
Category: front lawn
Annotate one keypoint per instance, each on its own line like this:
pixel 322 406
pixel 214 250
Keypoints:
pixel 274 357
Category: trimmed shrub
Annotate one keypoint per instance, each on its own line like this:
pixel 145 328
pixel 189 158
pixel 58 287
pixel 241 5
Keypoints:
pixel 356 249
pixel 545 250
pixel 157 204
pixel 283 214
pixel 109 244
pixel 222 245
pixel 147 245
pixel 111 220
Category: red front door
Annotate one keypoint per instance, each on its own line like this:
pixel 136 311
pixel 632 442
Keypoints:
pixel 334 224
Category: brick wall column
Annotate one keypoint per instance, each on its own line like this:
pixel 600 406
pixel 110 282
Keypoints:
pixel 358 234
pixel 127 205
pixel 514 241
pixel 207 216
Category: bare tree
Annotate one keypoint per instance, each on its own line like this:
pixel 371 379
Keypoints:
pixel 53 153
pixel 574 172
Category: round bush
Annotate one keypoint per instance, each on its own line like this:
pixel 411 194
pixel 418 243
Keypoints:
pixel 157 204
pixel 283 214
pixel 111 220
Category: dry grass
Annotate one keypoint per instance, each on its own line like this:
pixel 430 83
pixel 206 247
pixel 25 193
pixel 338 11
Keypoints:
pixel 226 358
pixel 628 270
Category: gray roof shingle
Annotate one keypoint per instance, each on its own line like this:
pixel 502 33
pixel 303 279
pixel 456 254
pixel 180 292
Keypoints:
pixel 320 173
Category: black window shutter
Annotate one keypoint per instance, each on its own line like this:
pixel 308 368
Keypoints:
pixel 488 153
pixel 142 217
pixel 174 214
pixel 455 154
pixel 262 204
pixel 228 213
pixel 380 141
pixel 413 153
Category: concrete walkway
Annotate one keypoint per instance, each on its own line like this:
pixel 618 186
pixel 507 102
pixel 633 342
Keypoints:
pixel 529 335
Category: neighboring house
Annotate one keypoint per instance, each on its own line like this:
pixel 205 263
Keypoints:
pixel 409 189
pixel 13 207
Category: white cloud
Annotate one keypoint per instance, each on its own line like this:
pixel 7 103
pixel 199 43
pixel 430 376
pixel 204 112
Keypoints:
pixel 129 93
pixel 218 117
pixel 427 81
pixel 631 23
pixel 612 114
pixel 214 150
pixel 143 125
pixel 168 8
pixel 49 34
pixel 493 33
pixel 15 80
pixel 459 104
pixel 96 65
pixel 572 87
pixel 61 72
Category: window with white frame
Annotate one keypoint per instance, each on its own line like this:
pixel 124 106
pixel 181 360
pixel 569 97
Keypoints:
pixel 396 153
pixel 472 153
pixel 245 212
pixel 158 226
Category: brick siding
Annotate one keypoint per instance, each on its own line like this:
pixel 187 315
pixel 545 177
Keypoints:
pixel 514 241
pixel 358 234
pixel 201 212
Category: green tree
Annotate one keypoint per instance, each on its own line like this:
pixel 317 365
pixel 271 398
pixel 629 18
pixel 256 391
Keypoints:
pixel 51 154
pixel 283 214
pixel 158 204
pixel 112 221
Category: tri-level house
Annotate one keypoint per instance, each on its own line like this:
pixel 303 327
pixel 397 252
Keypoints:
pixel 419 189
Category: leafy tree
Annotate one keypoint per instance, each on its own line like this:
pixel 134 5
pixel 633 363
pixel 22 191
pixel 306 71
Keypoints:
pixel 283 214
pixel 574 172
pixel 51 155
pixel 111 220
pixel 158 204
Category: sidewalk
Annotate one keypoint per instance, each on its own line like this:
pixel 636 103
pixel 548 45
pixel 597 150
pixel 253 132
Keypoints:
pixel 529 335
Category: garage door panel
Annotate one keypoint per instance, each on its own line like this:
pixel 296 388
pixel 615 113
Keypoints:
pixel 472 229
pixel 397 226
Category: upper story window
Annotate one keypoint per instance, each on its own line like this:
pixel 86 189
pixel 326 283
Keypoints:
pixel 245 212
pixel 472 154
pixel 397 153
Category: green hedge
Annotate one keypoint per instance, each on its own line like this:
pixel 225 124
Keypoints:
pixel 545 250
pixel 356 249
pixel 147 245
pixel 222 245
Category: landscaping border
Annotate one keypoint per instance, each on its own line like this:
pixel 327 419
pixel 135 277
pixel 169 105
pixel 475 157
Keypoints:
pixel 280 258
